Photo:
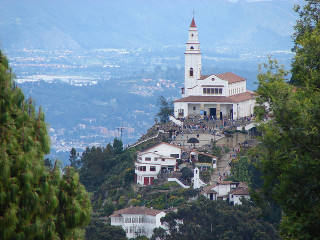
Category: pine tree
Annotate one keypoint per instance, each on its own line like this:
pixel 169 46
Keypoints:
pixel 31 197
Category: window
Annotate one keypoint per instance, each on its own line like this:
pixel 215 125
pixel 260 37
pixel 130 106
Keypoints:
pixel 147 159
pixel 128 220
pixel 134 219
pixel 155 159
pixel 191 72
pixel 220 90
pixel 216 90
pixel 191 47
pixel 174 155
pixel 180 112
pixel 194 108
pixel 163 159
pixel 152 168
pixel 204 90
pixel 143 168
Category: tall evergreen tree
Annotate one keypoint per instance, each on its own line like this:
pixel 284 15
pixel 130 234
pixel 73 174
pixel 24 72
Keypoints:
pixel 74 158
pixel 290 152
pixel 32 199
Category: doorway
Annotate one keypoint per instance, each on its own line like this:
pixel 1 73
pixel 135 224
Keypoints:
pixel 213 112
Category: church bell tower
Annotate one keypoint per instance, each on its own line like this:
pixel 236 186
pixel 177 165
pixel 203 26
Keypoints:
pixel 192 60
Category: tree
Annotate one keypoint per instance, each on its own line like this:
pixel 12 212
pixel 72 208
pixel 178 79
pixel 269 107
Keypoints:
pixel 98 230
pixel 31 196
pixel 166 109
pixel 187 174
pixel 48 163
pixel 117 146
pixel 306 65
pixel 289 151
pixel 206 219
pixel 74 158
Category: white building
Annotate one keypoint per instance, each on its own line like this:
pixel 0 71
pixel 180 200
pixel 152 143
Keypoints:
pixel 227 190
pixel 138 221
pixel 161 157
pixel 216 95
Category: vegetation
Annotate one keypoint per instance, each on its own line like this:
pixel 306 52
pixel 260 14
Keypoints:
pixel 290 152
pixel 206 219
pixel 166 109
pixel 36 201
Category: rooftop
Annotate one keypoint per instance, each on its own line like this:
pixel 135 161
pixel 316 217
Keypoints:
pixel 137 210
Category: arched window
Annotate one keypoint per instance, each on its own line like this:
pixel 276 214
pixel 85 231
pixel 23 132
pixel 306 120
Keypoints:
pixel 191 72
pixel 191 47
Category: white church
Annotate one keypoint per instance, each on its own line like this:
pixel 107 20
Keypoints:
pixel 216 95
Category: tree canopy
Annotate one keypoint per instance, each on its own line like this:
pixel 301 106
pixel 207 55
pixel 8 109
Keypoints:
pixel 166 109
pixel 207 219
pixel 289 151
pixel 35 202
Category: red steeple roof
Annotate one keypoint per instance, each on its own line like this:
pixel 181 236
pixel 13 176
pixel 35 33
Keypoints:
pixel 193 24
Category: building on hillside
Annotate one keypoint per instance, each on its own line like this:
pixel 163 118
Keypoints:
pixel 216 95
pixel 163 157
pixel 138 221
pixel 226 190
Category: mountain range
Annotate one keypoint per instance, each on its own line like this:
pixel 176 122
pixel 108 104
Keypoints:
pixel 100 24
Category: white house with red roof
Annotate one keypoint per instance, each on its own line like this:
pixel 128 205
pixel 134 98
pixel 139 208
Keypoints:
pixel 161 157
pixel 216 95
pixel 226 190
pixel 138 221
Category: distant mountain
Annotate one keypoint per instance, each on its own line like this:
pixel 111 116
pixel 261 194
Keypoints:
pixel 86 24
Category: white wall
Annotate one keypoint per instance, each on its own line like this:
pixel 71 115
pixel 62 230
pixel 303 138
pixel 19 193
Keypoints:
pixel 149 223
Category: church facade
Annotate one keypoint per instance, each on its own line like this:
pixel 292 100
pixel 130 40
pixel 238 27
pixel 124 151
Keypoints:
pixel 216 95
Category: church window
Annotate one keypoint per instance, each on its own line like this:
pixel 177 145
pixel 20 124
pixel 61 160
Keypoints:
pixel 191 47
pixel 191 72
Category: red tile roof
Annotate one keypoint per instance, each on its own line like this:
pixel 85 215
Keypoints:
pixel 193 24
pixel 204 99
pixel 230 77
pixel 241 191
pixel 204 77
pixel 241 97
pixel 137 210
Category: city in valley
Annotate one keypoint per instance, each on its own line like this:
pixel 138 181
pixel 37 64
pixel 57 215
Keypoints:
pixel 89 96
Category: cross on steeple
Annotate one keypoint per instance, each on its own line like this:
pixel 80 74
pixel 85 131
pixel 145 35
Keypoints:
pixel 193 12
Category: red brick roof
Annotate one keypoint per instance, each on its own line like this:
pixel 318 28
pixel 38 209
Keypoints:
pixel 193 24
pixel 219 99
pixel 230 77
pixel 137 210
